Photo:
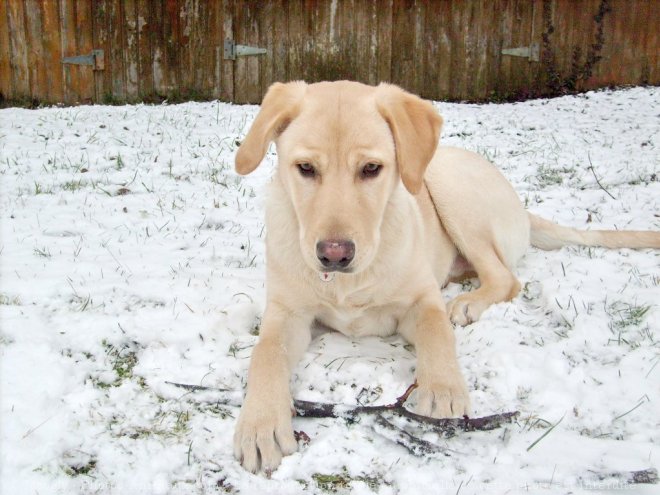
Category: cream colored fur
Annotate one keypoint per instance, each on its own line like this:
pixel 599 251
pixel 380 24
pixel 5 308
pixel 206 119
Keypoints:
pixel 432 214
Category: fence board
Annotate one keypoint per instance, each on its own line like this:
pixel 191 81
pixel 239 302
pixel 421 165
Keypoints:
pixel 403 21
pixel 419 47
pixel 521 29
pixel 478 47
pixel 70 73
pixel 254 8
pixel 130 49
pixel 652 52
pixel 185 46
pixel 145 34
pixel 273 28
pixel 350 54
pixel 115 55
pixel 18 57
pixel 169 67
pixel 5 68
pixel 296 38
pixel 85 45
pixel 158 48
pixel 101 40
pixel 34 40
pixel 227 68
pixel 240 66
pixel 201 42
pixel 384 41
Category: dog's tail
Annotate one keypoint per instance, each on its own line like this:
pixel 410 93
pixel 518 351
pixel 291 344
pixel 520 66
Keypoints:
pixel 548 235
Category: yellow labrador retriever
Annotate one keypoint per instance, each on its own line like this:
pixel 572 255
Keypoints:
pixel 367 218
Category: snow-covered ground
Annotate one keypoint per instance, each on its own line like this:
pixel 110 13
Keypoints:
pixel 132 255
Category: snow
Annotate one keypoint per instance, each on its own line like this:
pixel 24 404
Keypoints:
pixel 132 255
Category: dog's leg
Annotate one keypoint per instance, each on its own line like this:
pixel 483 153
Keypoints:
pixel 264 431
pixel 497 284
pixel 441 389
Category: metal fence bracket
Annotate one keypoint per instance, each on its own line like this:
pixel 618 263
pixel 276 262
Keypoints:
pixel 233 51
pixel 532 52
pixel 96 59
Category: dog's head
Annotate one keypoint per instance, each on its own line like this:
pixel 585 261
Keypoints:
pixel 343 148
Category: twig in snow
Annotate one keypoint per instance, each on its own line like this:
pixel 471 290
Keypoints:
pixel 591 167
pixel 416 446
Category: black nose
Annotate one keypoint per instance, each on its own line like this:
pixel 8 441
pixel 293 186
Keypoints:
pixel 335 254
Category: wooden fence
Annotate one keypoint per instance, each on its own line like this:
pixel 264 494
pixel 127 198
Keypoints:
pixel 148 50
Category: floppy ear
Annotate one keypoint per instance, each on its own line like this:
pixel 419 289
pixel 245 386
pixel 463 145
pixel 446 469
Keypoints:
pixel 280 105
pixel 415 125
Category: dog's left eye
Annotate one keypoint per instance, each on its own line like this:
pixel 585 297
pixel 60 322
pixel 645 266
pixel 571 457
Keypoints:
pixel 306 169
pixel 371 170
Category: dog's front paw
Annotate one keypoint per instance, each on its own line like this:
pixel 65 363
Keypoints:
pixel 443 398
pixel 466 308
pixel 264 433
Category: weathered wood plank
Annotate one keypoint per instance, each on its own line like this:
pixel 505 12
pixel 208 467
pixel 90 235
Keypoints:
pixel 384 41
pixel 227 92
pixel 362 30
pixel 71 73
pixel 505 41
pixel 349 69
pixel 296 40
pixel 265 31
pixel 240 64
pixel 273 30
pixel 613 29
pixel 115 57
pixel 85 44
pixel 480 37
pixel 145 33
pixel 202 52
pixel 101 38
pixel 34 29
pixel 372 45
pixel 254 94
pixel 167 72
pixel 18 49
pixel 214 73
pixel 130 52
pixel 322 54
pixel 6 90
pixel 459 75
pixel 633 58
pixel 185 49
pixel 158 42
pixel 420 49
pixel 403 21
pixel 652 49
pixel 536 68
pixel 520 37
pixel 439 72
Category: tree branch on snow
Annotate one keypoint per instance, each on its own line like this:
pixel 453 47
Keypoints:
pixel 446 427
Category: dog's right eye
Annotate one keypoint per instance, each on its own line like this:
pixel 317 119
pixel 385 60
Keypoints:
pixel 306 170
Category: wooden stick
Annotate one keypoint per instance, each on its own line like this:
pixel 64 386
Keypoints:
pixel 447 427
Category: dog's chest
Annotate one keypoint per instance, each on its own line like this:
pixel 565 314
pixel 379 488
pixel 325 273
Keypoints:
pixel 359 320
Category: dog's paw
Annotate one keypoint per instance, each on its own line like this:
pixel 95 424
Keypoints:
pixel 264 433
pixel 466 308
pixel 446 398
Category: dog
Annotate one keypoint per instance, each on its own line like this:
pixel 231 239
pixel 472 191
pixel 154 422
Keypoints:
pixel 367 218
